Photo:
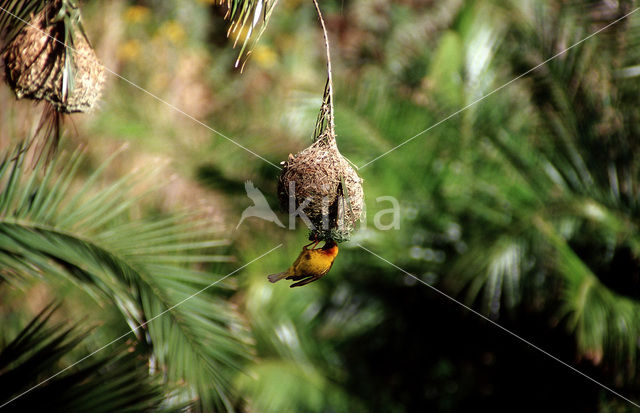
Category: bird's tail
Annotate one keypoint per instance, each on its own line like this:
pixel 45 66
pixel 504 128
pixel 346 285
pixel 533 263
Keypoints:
pixel 277 277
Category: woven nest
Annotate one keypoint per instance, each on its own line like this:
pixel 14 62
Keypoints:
pixel 315 176
pixel 35 65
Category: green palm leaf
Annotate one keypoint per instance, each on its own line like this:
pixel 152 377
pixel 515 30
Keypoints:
pixel 116 382
pixel 589 200
pixel 144 268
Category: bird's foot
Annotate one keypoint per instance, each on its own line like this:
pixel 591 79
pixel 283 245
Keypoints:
pixel 315 242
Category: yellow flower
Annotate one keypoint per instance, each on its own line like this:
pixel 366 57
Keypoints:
pixel 173 31
pixel 264 56
pixel 130 50
pixel 136 14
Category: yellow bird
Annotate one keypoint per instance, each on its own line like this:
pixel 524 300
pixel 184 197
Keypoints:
pixel 311 264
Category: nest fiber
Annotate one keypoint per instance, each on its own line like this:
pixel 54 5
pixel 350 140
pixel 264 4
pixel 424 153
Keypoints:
pixel 35 65
pixel 329 190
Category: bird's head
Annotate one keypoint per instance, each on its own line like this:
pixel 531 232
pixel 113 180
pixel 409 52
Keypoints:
pixel 330 247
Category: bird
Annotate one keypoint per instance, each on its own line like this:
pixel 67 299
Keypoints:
pixel 311 265
pixel 260 207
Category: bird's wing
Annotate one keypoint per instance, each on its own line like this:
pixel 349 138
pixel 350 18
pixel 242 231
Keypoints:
pixel 305 255
pixel 308 279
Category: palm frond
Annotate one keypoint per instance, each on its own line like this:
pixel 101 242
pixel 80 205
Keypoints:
pixel 144 268
pixel 116 382
pixel 14 16
pixel 249 20
pixel 550 194
pixel 582 111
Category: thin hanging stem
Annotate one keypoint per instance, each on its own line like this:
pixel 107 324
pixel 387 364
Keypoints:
pixel 328 98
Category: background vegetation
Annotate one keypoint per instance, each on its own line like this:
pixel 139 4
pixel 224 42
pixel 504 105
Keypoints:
pixel 524 207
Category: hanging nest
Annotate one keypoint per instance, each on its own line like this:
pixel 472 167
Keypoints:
pixel 319 181
pixel 38 66
pixel 329 190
